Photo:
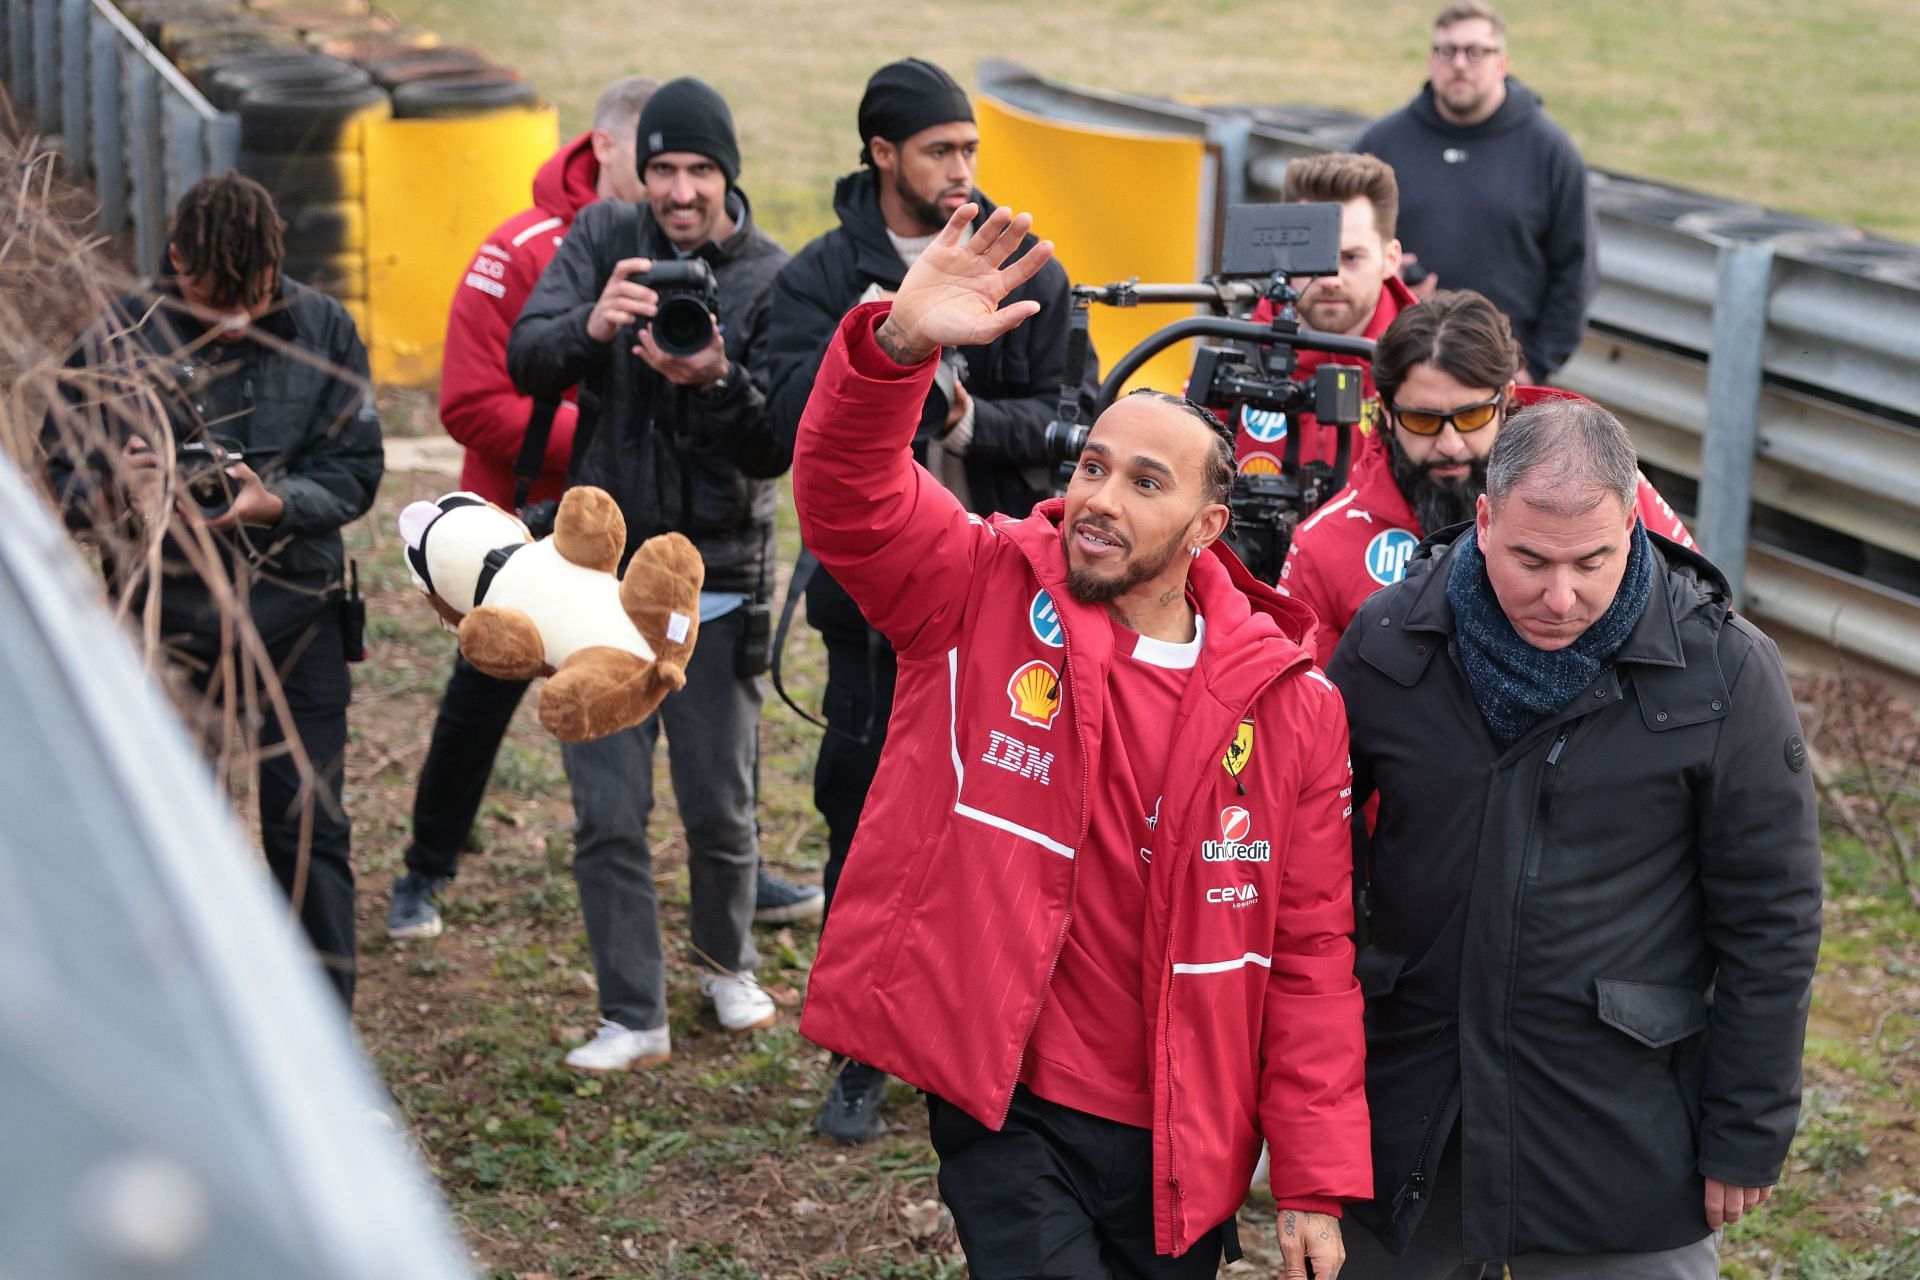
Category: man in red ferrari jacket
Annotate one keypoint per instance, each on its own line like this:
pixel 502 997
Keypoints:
pixel 1444 369
pixel 481 409
pixel 1098 905
pixel 1359 302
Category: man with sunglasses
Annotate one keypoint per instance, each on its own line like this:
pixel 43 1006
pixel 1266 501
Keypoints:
pixel 1444 370
pixel 1493 193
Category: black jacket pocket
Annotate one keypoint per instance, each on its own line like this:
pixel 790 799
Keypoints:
pixel 1653 1014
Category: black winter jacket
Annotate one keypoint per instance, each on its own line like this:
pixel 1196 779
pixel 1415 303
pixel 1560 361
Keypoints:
pixel 312 434
pixel 1502 207
pixel 1593 951
pixel 1014 380
pixel 674 459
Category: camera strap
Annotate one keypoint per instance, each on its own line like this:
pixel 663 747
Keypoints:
pixel 803 571
pixel 533 450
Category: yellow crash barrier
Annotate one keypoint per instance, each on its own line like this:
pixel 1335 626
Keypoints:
pixel 434 189
pixel 1115 204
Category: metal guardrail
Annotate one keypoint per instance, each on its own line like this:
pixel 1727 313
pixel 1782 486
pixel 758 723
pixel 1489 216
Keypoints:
pixel 122 114
pixel 1769 359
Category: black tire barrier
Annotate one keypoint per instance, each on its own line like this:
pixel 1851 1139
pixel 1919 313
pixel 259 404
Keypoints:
pixel 441 99
pixel 327 178
pixel 427 64
pixel 309 121
pixel 229 86
pixel 324 230
pixel 364 48
pixel 340 275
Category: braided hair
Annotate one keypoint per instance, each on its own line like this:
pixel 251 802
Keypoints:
pixel 226 230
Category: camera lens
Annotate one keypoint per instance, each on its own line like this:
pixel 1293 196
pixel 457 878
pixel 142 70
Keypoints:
pixel 683 326
pixel 1065 442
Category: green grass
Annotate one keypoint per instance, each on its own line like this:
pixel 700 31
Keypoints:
pixel 1807 108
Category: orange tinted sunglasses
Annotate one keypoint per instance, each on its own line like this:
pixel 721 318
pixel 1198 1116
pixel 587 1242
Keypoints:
pixel 1428 422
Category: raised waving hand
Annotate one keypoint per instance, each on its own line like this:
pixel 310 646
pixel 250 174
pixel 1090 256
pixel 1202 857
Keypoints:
pixel 952 295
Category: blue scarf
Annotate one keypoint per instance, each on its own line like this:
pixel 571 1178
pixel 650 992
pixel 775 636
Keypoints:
pixel 1516 685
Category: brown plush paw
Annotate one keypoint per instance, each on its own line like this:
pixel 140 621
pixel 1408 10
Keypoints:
pixel 589 529
pixel 597 692
pixel 661 593
pixel 504 643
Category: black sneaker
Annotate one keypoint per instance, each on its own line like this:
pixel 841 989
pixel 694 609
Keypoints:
pixel 851 1113
pixel 777 901
pixel 412 914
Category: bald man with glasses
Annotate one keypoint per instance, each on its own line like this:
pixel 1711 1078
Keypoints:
pixel 1493 194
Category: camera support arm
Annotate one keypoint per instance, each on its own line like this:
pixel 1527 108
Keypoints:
pixel 1262 335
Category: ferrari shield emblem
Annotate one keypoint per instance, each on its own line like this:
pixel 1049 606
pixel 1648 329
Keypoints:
pixel 1241 749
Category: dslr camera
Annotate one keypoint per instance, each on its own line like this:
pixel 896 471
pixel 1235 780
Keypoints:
pixel 689 304
pixel 202 467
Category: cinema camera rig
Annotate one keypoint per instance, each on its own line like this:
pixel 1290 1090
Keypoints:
pixel 1265 248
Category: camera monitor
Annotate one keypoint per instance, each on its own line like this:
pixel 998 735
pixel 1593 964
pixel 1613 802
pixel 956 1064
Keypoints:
pixel 1294 239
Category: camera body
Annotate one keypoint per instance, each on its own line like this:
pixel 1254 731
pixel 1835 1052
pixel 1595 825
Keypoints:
pixel 202 468
pixel 689 305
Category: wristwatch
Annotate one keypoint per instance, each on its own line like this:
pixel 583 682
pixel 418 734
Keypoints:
pixel 718 388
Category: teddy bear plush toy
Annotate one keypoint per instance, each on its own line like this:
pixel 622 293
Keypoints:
pixel 610 647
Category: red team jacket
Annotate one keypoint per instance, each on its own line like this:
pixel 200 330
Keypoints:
pixel 1360 540
pixel 478 403
pixel 956 899
pixel 1262 436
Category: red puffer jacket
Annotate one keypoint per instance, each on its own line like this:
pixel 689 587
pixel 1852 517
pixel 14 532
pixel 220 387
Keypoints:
pixel 1361 539
pixel 478 403
pixel 956 898
pixel 1262 436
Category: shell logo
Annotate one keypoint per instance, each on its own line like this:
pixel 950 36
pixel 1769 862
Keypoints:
pixel 1034 692
pixel 1235 824
pixel 1259 464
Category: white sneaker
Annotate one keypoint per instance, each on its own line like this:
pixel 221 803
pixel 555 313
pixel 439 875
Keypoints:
pixel 738 1000
pixel 618 1048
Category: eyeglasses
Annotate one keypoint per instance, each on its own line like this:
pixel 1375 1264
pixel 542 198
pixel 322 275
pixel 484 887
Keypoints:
pixel 1428 422
pixel 1475 54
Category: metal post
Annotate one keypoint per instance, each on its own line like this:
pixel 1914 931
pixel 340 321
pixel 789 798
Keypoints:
pixel 141 118
pixel 223 142
pixel 74 81
pixel 46 62
pixel 107 137
pixel 1734 369
pixel 183 148
pixel 20 49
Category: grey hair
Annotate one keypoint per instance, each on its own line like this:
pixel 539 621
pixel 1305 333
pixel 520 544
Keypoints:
pixel 1570 453
pixel 621 102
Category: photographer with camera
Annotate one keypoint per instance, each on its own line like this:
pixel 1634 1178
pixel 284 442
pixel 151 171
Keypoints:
pixel 655 310
pixel 1445 369
pixel 981 432
pixel 1360 302
pixel 230 345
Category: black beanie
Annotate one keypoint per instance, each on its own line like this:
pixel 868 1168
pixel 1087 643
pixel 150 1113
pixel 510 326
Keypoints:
pixel 905 97
pixel 687 115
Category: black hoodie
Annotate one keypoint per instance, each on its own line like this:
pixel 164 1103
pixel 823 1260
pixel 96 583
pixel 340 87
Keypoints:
pixel 1014 380
pixel 1501 207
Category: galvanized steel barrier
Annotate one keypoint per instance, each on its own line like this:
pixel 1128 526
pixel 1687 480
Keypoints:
pixel 123 115
pixel 1768 366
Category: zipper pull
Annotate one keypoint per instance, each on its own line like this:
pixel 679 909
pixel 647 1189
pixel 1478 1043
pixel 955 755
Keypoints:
pixel 1412 1193
pixel 1553 752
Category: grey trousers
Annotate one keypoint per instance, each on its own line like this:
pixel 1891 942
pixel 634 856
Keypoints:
pixel 1435 1251
pixel 713 755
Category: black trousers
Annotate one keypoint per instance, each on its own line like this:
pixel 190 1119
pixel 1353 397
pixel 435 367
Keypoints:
pixel 306 835
pixel 858 700
pixel 474 715
pixel 1058 1194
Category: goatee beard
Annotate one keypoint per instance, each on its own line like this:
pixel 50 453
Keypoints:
pixel 1437 504
pixel 1088 587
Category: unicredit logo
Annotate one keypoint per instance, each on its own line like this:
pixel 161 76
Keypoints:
pixel 1236 824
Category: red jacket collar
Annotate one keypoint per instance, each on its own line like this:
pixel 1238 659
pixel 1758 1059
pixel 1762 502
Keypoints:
pixel 1253 632
pixel 570 179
